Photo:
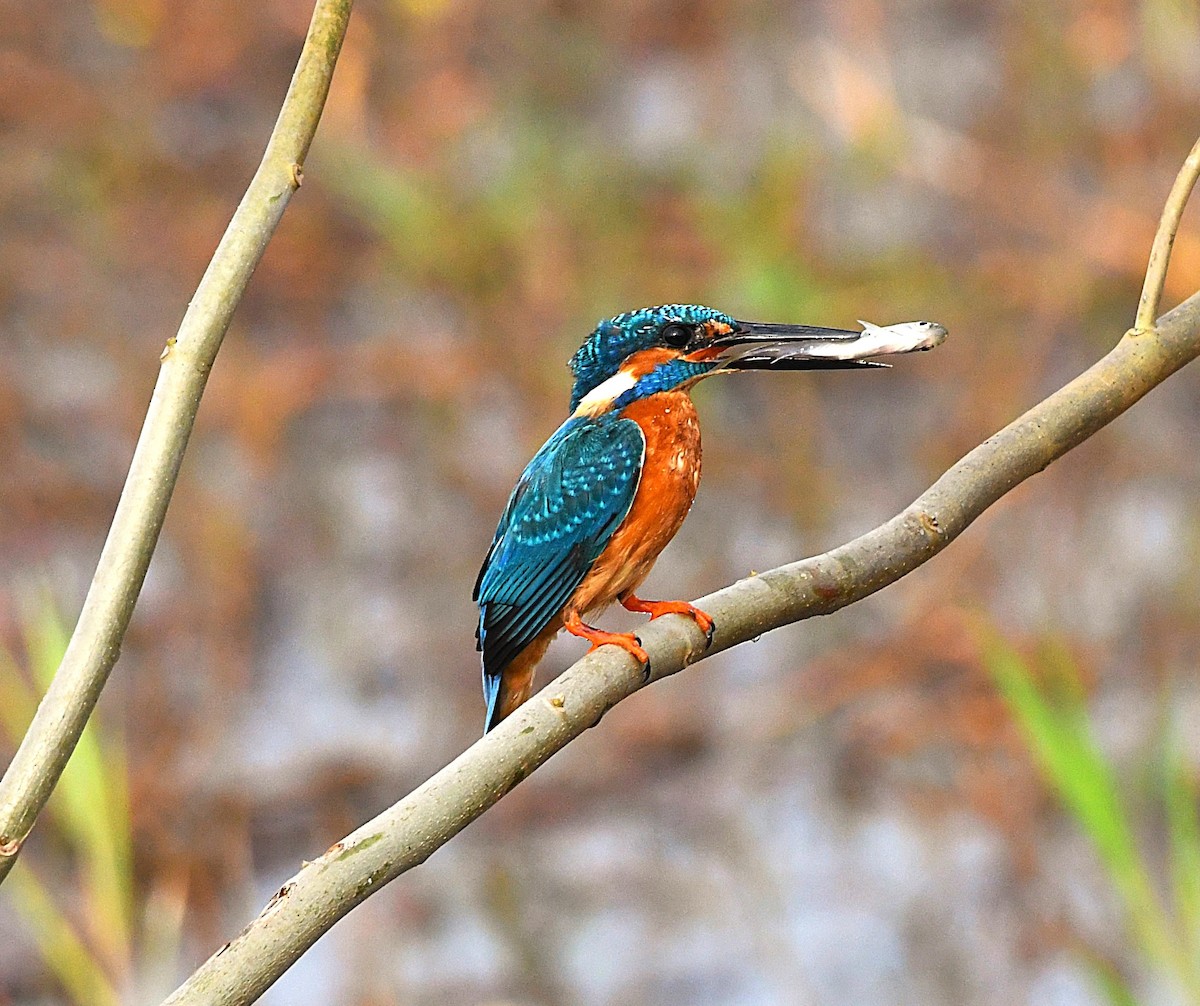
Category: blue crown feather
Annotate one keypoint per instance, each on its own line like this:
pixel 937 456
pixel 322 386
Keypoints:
pixel 614 339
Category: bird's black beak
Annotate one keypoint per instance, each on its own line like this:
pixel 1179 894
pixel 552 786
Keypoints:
pixel 753 345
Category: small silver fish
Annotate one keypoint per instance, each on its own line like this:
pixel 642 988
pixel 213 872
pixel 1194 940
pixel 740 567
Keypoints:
pixel 881 340
pixel 906 336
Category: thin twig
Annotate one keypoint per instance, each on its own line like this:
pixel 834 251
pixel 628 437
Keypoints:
pixel 1164 239
pixel 186 362
pixel 406 834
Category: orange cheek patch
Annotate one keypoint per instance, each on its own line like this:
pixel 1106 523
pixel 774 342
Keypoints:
pixel 712 330
pixel 644 361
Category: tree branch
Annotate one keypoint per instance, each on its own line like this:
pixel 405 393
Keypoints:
pixel 186 362
pixel 406 834
pixel 1164 239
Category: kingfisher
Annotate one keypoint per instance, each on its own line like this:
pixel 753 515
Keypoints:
pixel 601 499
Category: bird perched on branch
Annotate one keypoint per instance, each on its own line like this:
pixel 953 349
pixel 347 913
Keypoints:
pixel 610 488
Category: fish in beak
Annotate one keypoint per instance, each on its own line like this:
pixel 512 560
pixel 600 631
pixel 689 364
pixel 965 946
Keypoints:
pixel 755 345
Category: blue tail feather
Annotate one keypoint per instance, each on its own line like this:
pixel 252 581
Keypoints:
pixel 491 695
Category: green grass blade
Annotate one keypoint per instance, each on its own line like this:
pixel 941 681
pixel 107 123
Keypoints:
pixel 75 967
pixel 1113 985
pixel 1182 797
pixel 93 808
pixel 1060 737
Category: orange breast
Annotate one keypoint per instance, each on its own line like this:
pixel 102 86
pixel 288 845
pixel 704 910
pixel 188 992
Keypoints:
pixel 670 477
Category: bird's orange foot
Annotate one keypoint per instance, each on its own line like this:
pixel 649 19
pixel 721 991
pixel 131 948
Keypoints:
pixel 598 637
pixel 631 602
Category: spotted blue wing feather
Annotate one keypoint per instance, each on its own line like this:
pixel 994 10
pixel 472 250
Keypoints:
pixel 571 498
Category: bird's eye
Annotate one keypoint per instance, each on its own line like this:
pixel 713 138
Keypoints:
pixel 677 335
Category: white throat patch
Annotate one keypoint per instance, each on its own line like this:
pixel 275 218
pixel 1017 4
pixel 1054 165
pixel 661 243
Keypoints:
pixel 601 397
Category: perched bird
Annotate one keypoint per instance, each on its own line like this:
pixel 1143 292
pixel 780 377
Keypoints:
pixel 610 488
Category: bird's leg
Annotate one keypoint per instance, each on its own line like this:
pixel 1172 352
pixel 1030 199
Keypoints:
pixel 631 602
pixel 598 637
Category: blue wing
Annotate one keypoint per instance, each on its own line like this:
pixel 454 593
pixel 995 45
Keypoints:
pixel 571 498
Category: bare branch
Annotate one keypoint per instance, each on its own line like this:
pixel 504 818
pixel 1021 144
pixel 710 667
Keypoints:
pixel 405 835
pixel 186 362
pixel 1164 239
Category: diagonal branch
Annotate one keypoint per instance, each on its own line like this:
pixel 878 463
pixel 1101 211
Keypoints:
pixel 406 834
pixel 186 362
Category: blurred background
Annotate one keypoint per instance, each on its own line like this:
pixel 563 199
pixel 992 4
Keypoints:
pixel 978 787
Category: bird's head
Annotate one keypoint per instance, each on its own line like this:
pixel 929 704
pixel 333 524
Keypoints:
pixel 672 346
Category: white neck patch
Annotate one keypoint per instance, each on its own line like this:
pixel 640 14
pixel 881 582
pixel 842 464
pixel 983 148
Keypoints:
pixel 601 397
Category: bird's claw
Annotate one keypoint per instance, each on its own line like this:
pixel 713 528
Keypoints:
pixel 656 609
pixel 646 669
pixel 704 622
